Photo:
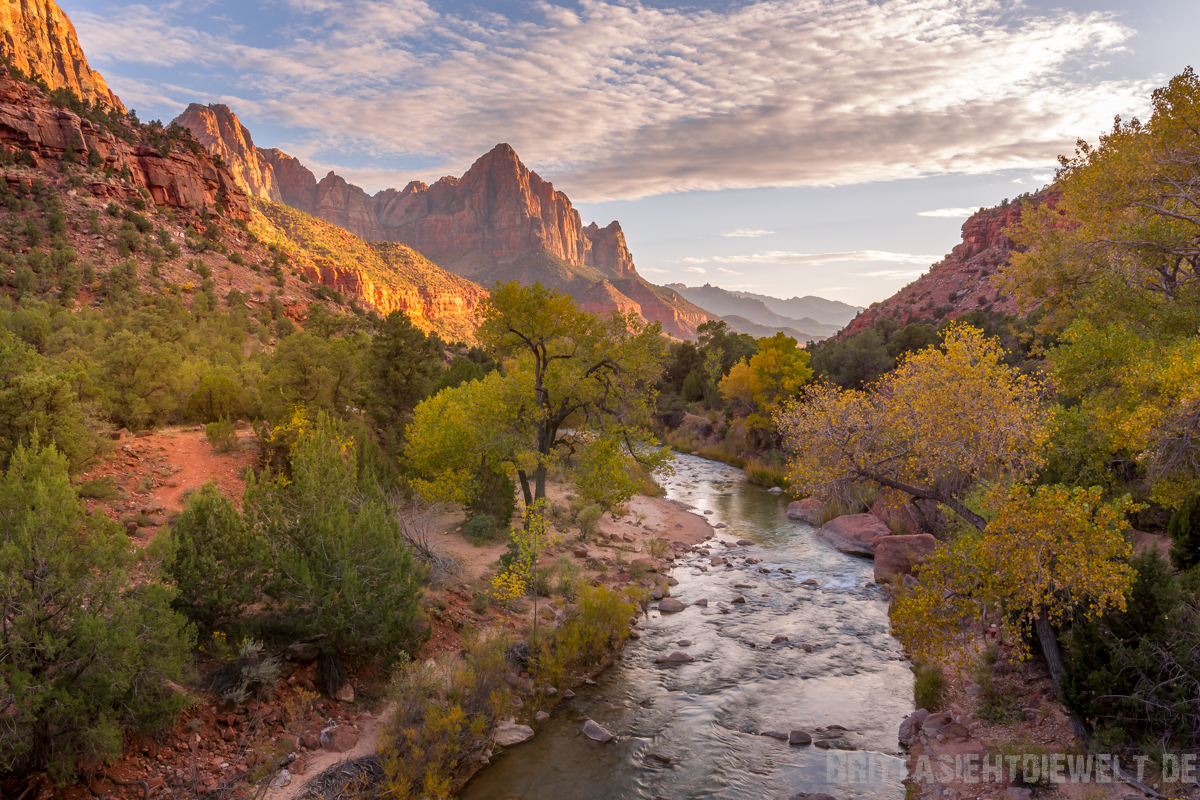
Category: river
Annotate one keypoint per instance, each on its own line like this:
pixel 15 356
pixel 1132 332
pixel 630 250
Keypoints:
pixel 838 667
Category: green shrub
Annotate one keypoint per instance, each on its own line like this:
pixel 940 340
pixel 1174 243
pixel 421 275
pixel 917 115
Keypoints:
pixel 929 689
pixel 343 566
pixel 599 624
pixel 102 488
pixel 496 496
pixel 86 652
pixel 249 673
pixel 222 436
pixel 481 530
pixel 216 397
pixel 217 563
pixel 588 518
pixel 767 475
pixel 443 722
pixel 1184 530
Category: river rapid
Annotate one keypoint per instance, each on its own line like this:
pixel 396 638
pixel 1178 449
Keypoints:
pixel 839 676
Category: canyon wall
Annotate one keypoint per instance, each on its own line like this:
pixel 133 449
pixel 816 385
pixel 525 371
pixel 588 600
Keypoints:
pixel 172 176
pixel 218 128
pixel 38 39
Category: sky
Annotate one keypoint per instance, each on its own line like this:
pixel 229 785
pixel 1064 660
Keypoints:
pixel 825 147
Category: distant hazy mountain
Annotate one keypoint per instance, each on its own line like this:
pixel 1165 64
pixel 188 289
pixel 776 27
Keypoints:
pixel 743 325
pixel 831 312
pixel 756 310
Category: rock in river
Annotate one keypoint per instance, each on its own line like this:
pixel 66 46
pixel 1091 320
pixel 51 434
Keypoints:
pixel 856 534
pixel 510 733
pixel 669 605
pixel 596 732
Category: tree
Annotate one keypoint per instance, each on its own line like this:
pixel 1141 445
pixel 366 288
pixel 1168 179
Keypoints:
pixel 739 386
pixel 35 400
pixel 1184 530
pixel 402 365
pixel 779 368
pixel 139 376
pixel 854 362
pixel 342 564
pixel 931 429
pixel 85 653
pixel 216 562
pixel 580 372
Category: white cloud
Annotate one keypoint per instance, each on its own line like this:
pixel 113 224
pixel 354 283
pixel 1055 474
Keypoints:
pixel 619 100
pixel 698 270
pixel 895 274
pixel 728 271
pixel 783 257
pixel 746 233
pixel 948 213
pixel 653 270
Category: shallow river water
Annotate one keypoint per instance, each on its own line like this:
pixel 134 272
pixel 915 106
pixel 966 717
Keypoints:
pixel 708 715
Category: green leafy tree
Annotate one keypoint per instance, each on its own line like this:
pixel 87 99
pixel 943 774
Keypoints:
pixel 568 372
pixel 85 653
pixel 139 376
pixel 216 397
pixel 343 566
pixel 402 364
pixel 216 561
pixel 1184 530
pixel 35 400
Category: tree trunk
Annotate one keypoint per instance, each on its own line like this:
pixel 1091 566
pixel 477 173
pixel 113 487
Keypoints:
pixel 1054 660
pixel 525 488
pixel 539 491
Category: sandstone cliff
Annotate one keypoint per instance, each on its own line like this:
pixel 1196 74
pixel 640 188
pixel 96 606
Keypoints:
pixel 38 39
pixel 132 159
pixel 498 222
pixel 386 275
pixel 962 281
pixel 218 128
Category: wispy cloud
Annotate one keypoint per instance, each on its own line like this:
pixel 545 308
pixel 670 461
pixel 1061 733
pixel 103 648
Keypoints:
pixel 698 270
pixel 783 257
pixel 728 271
pixel 653 270
pixel 895 274
pixel 619 100
pixel 746 233
pixel 948 213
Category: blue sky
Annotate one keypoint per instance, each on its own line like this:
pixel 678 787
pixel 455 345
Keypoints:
pixel 823 147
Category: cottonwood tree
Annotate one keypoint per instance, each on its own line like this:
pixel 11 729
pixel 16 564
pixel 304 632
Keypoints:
pixel 571 380
pixel 943 423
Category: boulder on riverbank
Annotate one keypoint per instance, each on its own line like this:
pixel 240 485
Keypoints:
pixel 856 534
pixel 900 555
pixel 810 510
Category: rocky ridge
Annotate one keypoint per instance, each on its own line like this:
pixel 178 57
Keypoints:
pixel 498 222
pixel 37 38
pixel 169 174
pixel 218 128
pixel 962 281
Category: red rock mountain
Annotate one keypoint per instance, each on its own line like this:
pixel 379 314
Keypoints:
pixel 498 222
pixel 138 160
pixel 962 281
pixel 218 129
pixel 38 39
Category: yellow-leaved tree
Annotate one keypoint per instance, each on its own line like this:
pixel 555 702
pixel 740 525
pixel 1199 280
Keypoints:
pixel 572 383
pixel 944 422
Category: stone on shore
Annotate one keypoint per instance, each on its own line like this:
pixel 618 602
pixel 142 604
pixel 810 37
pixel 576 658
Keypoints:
pixel 896 556
pixel 510 733
pixel 856 534
pixel 810 510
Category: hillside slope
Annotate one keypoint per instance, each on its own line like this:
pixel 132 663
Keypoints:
pixel 962 281
pixel 386 275
pixel 828 312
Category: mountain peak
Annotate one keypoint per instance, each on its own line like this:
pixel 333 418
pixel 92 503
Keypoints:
pixel 38 38
pixel 216 127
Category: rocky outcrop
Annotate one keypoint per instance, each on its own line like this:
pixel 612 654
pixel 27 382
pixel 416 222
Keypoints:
pixel 297 186
pixel 897 556
pixel 172 176
pixel 856 534
pixel 351 208
pixel 218 128
pixel 38 39
pixel 810 510
pixel 962 281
